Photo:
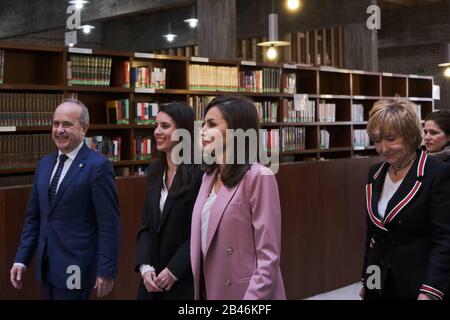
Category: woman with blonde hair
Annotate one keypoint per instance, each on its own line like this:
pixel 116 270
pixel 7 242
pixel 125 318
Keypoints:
pixel 408 205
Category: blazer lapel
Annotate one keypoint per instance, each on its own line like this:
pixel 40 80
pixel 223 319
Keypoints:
pixel 155 196
pixel 77 165
pixel 217 210
pixel 166 210
pixel 407 190
pixel 373 192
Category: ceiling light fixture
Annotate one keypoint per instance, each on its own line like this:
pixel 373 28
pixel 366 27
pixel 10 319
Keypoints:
pixel 273 38
pixel 170 37
pixel 86 28
pixel 293 4
pixel 79 3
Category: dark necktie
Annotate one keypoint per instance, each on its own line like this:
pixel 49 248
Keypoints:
pixel 54 183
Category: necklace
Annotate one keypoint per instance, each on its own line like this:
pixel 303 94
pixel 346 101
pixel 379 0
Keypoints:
pixel 397 170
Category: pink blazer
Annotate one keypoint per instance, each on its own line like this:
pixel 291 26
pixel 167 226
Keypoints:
pixel 242 259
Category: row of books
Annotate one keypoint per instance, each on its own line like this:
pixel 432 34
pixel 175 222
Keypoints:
pixel 23 151
pixel 142 148
pixel 357 113
pixel 266 80
pixel 419 111
pixel 293 138
pixel 109 147
pixel 360 139
pixel 2 65
pixel 324 139
pixel 89 70
pixel 148 77
pixel 289 83
pixel 270 139
pixel 16 180
pixel 307 111
pixel 118 111
pixel 28 109
pixel 327 112
pixel 199 104
pixel 267 111
pixel 213 78
pixel 145 112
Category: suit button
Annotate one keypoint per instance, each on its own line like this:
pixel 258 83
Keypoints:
pixel 400 222
pixel 228 283
pixel 229 251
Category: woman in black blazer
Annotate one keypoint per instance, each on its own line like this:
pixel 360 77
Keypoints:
pixel 163 258
pixel 408 205
pixel 437 135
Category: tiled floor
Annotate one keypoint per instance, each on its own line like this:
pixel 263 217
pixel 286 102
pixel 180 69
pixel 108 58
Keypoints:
pixel 346 293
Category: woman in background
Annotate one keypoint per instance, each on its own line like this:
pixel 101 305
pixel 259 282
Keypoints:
pixel 163 239
pixel 408 205
pixel 236 223
pixel 437 135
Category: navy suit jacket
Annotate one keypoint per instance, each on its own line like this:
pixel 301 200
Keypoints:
pixel 81 228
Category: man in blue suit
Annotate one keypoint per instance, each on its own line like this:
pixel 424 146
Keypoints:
pixel 72 220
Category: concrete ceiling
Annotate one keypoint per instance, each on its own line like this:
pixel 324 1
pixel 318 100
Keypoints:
pixel 397 4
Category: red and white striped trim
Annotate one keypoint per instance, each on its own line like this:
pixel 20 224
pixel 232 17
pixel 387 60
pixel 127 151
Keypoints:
pixel 435 292
pixel 403 203
pixel 375 176
pixel 374 219
pixel 421 167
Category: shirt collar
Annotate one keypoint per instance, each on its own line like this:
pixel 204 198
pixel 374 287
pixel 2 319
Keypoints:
pixel 164 181
pixel 72 155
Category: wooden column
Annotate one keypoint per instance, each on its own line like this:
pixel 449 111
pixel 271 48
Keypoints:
pixel 361 47
pixel 217 28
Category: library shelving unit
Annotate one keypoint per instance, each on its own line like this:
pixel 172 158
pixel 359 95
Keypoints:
pixel 35 79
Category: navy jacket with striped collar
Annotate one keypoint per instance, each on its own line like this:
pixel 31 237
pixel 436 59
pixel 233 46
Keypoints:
pixel 412 240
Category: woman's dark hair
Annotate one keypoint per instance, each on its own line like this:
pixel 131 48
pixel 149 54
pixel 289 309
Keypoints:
pixel 183 116
pixel 239 113
pixel 442 119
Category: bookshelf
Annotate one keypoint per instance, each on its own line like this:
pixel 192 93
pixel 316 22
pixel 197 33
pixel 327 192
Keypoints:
pixel 328 125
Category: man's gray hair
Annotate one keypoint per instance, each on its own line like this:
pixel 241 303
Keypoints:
pixel 84 115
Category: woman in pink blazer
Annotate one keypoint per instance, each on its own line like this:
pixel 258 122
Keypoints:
pixel 236 221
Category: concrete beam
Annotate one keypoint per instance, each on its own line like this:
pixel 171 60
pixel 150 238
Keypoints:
pixel 22 17
pixel 217 28
pixel 361 47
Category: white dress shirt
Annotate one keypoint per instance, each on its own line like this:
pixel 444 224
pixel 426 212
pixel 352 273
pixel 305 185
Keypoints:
pixel 389 188
pixel 205 217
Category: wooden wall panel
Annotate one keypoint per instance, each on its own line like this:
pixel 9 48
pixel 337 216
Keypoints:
pixel 323 221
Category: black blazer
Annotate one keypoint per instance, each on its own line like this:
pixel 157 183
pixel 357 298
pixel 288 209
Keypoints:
pixel 163 239
pixel 411 245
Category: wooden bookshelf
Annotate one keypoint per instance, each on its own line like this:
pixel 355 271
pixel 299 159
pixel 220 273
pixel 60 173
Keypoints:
pixel 44 71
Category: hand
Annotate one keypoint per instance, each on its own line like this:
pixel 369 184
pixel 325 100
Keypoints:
pixel 362 292
pixel 165 280
pixel 15 275
pixel 149 282
pixel 424 296
pixel 103 286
